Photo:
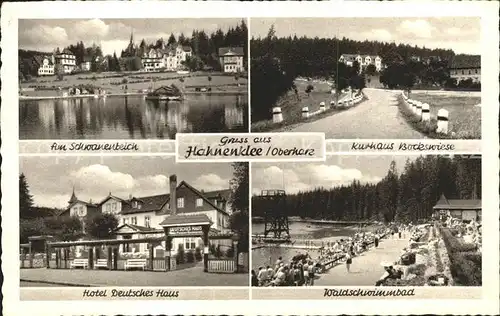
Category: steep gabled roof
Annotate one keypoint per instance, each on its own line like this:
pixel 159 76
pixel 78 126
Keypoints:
pixel 149 204
pixel 137 228
pixel 225 194
pixel 235 51
pixel 466 61
pixel 67 52
pixel 456 204
pixel 111 196
pixel 204 196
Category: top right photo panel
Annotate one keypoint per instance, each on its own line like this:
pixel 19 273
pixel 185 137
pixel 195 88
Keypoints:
pixel 367 78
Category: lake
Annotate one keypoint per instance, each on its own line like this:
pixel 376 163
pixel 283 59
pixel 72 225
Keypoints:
pixel 301 232
pixel 131 117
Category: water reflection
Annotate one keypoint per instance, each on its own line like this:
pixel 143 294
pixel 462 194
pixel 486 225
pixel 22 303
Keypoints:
pixel 131 117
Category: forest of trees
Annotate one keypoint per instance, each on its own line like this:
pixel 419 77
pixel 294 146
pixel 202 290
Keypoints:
pixel 205 51
pixel 276 62
pixel 205 46
pixel 317 57
pixel 37 221
pixel 408 196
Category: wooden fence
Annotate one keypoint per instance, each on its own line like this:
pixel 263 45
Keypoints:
pixel 222 266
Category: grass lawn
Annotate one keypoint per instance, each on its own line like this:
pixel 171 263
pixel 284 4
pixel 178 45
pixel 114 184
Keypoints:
pixel 464 116
pixel 292 104
pixel 112 82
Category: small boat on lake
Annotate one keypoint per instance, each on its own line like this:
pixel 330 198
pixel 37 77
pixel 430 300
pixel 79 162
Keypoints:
pixel 166 93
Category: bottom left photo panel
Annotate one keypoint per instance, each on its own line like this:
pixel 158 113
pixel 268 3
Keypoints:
pixel 122 221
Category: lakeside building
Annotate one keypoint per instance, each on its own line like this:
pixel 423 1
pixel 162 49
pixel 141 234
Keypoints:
pixel 466 210
pixel 231 59
pixel 465 67
pixel 168 58
pixel 67 59
pixel 141 217
pixel 363 60
pixel 45 65
pixel 86 63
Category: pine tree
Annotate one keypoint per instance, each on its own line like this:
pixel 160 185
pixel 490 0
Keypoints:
pixel 25 198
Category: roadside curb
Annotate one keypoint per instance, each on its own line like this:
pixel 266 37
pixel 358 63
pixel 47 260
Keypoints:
pixel 60 283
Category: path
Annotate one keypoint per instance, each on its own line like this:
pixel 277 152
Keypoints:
pixel 375 118
pixel 186 277
pixel 365 269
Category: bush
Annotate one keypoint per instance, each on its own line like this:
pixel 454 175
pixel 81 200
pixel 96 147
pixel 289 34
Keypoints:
pixel 230 252
pixel 180 255
pixel 124 81
pixel 189 257
pixel 466 268
pixel 218 251
pixel 197 254
pixel 309 88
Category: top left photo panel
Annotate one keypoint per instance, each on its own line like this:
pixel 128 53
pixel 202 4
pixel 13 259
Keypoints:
pixel 132 78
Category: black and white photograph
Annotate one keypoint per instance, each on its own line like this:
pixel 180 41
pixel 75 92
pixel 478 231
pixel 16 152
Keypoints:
pixel 132 221
pixel 367 78
pixel 368 221
pixel 132 78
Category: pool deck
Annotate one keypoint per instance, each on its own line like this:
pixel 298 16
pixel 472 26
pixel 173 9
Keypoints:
pixel 366 268
pixel 76 277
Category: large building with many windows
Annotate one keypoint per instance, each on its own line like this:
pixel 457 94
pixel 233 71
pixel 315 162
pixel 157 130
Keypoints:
pixel 231 59
pixel 363 60
pixel 465 67
pixel 169 58
pixel 67 60
pixel 141 217
pixel 45 65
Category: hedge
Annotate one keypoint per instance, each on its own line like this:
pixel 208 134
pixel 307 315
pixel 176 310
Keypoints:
pixel 454 244
pixel 466 262
pixel 466 268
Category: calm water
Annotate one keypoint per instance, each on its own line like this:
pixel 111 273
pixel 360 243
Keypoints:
pixel 131 117
pixel 300 232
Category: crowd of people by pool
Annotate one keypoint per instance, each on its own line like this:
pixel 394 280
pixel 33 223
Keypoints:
pixel 302 269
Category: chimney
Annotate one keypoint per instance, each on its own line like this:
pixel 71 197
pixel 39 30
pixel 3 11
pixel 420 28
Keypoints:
pixel 173 194
pixel 130 197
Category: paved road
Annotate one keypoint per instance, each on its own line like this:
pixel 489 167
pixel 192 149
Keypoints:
pixel 186 277
pixel 375 118
pixel 365 269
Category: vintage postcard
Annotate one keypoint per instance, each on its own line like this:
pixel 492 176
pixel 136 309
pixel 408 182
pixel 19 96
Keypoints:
pixel 291 158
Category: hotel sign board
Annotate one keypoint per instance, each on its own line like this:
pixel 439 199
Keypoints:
pixel 183 231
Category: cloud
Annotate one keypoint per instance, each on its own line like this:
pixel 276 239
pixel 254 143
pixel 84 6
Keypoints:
pixel 59 201
pixel 418 28
pixel 43 34
pixel 305 177
pixel 210 182
pixel 453 31
pixel 93 29
pixel 381 35
pixel 100 178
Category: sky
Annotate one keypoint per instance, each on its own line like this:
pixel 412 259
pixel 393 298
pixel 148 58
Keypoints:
pixel 461 34
pixel 335 171
pixel 112 34
pixel 51 179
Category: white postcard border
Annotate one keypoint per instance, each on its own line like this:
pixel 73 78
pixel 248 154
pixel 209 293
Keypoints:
pixel 10 168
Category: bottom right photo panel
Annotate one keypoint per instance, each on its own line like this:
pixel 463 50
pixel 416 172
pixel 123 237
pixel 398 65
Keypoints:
pixel 367 221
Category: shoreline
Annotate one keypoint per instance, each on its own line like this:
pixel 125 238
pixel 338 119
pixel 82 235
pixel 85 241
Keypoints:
pixel 96 96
